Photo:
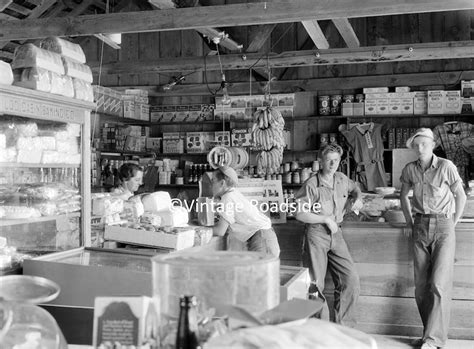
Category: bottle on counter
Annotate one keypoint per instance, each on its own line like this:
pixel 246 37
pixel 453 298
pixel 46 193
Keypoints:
pixel 187 335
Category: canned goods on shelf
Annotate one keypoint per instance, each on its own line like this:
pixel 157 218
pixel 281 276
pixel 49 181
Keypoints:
pixel 323 105
pixel 348 98
pixel 359 98
pixel 336 104
pixel 323 139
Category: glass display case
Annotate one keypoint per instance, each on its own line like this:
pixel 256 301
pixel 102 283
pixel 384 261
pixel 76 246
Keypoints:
pixel 44 171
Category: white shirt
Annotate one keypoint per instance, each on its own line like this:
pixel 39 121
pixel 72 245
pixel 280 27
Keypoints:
pixel 244 218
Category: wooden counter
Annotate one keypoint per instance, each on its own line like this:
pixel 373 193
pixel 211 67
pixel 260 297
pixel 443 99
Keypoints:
pixel 384 261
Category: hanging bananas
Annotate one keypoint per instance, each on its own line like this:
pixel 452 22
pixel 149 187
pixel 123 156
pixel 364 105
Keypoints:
pixel 267 133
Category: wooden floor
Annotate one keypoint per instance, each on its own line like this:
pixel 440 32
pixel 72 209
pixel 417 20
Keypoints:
pixel 394 342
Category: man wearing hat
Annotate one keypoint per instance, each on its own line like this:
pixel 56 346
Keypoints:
pixel 247 224
pixel 438 203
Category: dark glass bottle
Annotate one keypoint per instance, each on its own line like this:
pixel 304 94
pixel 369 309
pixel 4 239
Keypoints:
pixel 187 336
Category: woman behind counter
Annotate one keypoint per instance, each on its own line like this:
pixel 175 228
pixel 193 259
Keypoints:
pixel 131 178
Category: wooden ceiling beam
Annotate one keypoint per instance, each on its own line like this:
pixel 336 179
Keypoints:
pixel 361 55
pixel 316 34
pixel 324 84
pixel 260 36
pixel 220 16
pixel 35 13
pixel 4 4
pixel 347 32
pixel 19 9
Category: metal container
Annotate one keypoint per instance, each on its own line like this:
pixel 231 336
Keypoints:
pixel 324 107
pixel 336 104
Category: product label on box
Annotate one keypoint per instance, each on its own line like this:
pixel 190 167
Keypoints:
pixel 394 106
pixel 382 106
pixel 436 102
pixel 117 324
pixel 370 106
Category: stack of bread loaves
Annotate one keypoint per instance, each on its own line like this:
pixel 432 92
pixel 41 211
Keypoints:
pixel 53 65
pixel 6 74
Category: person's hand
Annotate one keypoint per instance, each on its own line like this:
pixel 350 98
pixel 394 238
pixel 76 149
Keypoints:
pixel 357 205
pixel 332 225
pixel 408 231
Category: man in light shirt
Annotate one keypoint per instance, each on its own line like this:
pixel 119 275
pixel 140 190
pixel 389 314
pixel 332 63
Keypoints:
pixel 247 224
pixel 438 203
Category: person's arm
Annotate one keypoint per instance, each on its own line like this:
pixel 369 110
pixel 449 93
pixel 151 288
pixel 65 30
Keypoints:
pixel 460 202
pixel 356 195
pixel 406 208
pixel 304 199
pixel 220 228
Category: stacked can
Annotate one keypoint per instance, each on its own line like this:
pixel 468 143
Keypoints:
pixel 323 105
pixel 336 104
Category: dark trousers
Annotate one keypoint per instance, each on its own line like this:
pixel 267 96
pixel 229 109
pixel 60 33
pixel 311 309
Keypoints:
pixel 323 251
pixel 434 244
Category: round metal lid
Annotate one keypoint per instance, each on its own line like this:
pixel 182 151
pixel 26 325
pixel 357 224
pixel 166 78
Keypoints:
pixel 28 289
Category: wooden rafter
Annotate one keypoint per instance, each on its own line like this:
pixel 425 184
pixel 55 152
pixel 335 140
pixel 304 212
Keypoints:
pixel 347 32
pixel 316 34
pixel 212 34
pixel 260 36
pixel 35 13
pixel 4 4
pixel 351 82
pixel 220 16
pixel 376 54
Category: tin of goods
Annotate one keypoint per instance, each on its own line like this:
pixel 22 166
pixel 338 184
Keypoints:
pixel 348 98
pixel 279 177
pixel 296 177
pixel 315 166
pixel 359 98
pixel 294 165
pixel 332 138
pixel 336 104
pixel 287 178
pixel 179 180
pixel 323 105
pixel 287 167
pixel 323 139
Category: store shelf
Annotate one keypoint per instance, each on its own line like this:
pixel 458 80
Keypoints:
pixel 120 120
pixel 124 152
pixel 191 123
pixel 161 186
pixel 9 222
pixel 25 165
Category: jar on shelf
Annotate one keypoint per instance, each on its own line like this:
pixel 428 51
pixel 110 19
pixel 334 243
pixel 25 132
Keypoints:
pixel 287 178
pixel 315 166
pixel 294 166
pixel 296 178
pixel 287 167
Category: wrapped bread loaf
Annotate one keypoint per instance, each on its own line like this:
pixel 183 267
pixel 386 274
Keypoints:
pixel 6 74
pixel 83 90
pixel 31 56
pixel 77 70
pixel 64 47
pixel 61 85
pixel 33 78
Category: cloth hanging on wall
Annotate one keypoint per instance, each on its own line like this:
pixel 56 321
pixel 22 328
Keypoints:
pixel 449 136
pixel 365 141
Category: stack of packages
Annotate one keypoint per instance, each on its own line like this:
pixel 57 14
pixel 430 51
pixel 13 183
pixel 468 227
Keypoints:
pixel 53 65
pixel 6 74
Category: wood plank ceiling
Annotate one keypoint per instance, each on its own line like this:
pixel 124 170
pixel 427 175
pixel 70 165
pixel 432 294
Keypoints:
pixel 21 20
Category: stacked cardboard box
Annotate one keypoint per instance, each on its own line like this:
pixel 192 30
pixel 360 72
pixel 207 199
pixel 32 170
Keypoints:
pixel 135 104
pixel 243 107
pixel 180 113
pixel 108 101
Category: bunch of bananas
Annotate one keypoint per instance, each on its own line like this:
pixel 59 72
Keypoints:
pixel 269 161
pixel 267 133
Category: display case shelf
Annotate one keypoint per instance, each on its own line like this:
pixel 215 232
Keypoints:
pixel 25 165
pixel 9 222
